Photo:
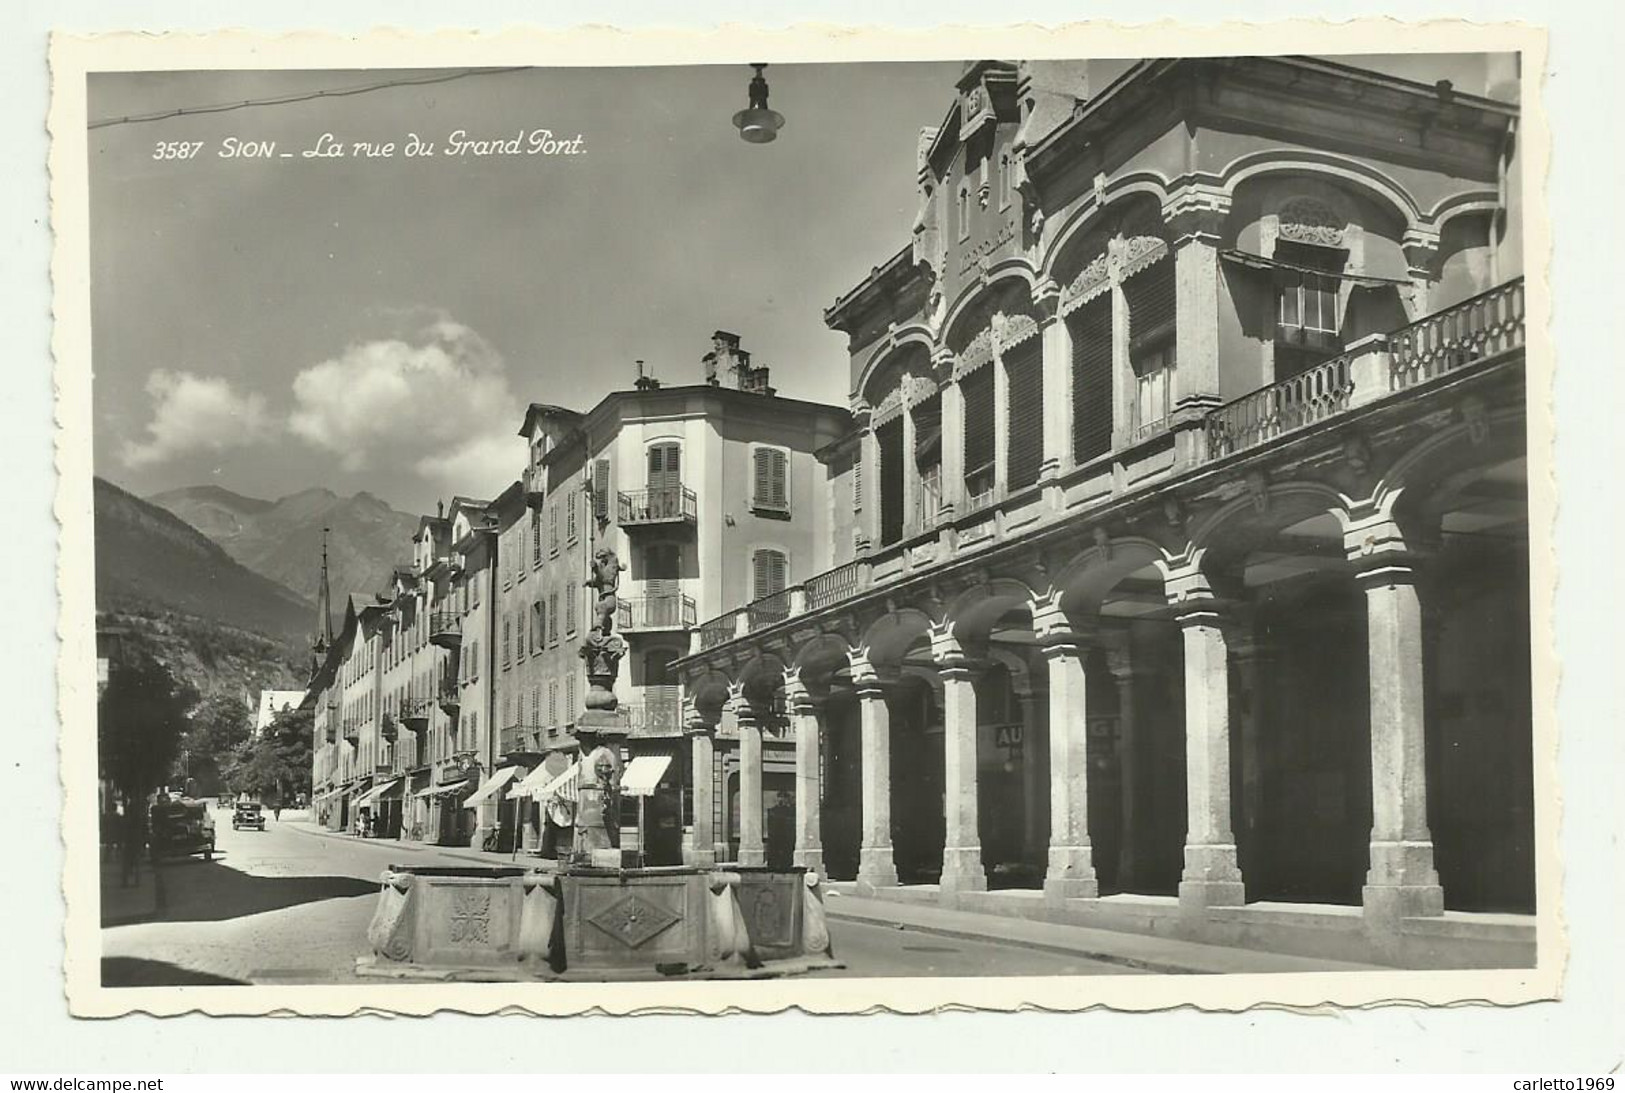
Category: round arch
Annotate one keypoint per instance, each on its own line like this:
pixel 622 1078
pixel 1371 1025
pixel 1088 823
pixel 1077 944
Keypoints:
pixel 1327 165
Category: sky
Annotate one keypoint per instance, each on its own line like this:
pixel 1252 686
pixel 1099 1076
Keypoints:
pixel 274 324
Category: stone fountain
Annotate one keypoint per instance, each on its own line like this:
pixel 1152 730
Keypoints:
pixel 596 914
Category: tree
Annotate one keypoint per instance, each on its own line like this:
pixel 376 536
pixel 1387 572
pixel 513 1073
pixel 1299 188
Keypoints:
pixel 220 725
pixel 143 716
pixel 276 764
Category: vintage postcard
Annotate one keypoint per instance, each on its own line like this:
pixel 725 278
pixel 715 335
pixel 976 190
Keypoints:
pixel 848 520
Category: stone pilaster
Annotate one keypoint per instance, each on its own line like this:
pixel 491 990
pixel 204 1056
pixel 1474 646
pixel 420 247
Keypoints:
pixel 876 868
pixel 1212 876
pixel 1402 881
pixel 1421 246
pixel 962 869
pixel 805 722
pixel 911 468
pixel 702 845
pixel 1195 216
pixel 752 849
pixel 869 518
pixel 1057 364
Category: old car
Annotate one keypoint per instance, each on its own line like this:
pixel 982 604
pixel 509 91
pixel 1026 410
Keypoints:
pixel 180 828
pixel 248 814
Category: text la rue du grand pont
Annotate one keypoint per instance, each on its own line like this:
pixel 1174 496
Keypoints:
pixel 459 145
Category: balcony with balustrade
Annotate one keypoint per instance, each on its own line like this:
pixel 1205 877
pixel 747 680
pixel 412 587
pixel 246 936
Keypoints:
pixel 1477 334
pixel 450 698
pixel 657 710
pixel 446 629
pixel 657 506
pixel 521 743
pixel 415 714
pixel 661 611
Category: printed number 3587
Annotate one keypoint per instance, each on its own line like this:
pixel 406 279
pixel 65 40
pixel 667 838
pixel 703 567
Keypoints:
pixel 176 149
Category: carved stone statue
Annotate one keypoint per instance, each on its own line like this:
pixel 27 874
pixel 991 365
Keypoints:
pixel 603 648
pixel 606 578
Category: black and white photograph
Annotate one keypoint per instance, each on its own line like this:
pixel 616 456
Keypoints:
pixel 915 530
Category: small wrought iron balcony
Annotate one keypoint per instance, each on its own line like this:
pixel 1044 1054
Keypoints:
pixel 518 741
pixel 415 714
pixel 656 505
pixel 446 629
pixel 670 611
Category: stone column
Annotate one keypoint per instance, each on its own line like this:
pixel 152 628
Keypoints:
pixel 869 518
pixel 1252 660
pixel 1212 876
pixel 962 869
pixel 806 723
pixel 876 868
pixel 1071 872
pixel 1196 215
pixel 1402 881
pixel 702 846
pixel 1134 815
pixel 953 439
pixel 752 849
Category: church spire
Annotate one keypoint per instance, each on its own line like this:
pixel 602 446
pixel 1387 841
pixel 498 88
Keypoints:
pixel 324 612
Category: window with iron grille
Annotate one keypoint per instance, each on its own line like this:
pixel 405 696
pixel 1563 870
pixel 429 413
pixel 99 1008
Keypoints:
pixel 771 493
pixel 977 392
pixel 889 440
pixel 1151 297
pixel 1091 330
pixel 769 573
pixel 1024 372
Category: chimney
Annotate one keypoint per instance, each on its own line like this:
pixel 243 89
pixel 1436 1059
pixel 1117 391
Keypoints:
pixel 645 381
pixel 726 356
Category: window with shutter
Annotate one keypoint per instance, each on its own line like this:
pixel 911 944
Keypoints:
pixel 570 507
pixel 1024 370
pixel 519 628
pixel 770 486
pixel 507 642
pixel 538 630
pixel 769 573
pixel 552 618
pixel 857 485
pixel 600 489
pixel 570 598
pixel 1091 329
pixel 536 537
pixel 977 392
pixel 1151 311
pixel 553 528
pixel 570 697
pixel 889 439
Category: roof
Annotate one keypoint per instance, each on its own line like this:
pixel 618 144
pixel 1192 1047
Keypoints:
pixel 547 410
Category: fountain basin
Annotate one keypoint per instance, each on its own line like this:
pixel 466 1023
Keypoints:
pixel 579 922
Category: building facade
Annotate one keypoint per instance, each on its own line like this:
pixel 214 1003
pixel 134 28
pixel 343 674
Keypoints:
pixel 1181 567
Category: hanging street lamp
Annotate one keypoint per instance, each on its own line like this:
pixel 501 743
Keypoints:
pixel 756 123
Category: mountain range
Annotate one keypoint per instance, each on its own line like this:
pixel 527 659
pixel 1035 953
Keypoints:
pixel 282 539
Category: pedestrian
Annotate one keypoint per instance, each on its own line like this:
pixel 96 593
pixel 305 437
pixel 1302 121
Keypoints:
pixel 133 840
pixel 276 812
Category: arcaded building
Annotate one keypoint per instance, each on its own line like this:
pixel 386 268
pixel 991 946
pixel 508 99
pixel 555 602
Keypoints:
pixel 1180 562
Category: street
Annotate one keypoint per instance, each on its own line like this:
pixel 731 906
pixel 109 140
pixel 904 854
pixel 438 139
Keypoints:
pixel 291 905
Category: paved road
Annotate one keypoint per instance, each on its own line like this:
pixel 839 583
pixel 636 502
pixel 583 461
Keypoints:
pixel 289 906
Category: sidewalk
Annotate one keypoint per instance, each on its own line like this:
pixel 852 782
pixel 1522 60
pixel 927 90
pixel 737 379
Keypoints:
pixel 1154 954
pixel 481 857
pixel 138 902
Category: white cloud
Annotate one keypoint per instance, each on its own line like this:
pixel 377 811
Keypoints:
pixel 196 413
pixel 437 401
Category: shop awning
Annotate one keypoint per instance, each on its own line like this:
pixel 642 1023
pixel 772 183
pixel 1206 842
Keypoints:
pixel 1259 262
pixel 643 774
pixel 543 785
pixel 375 792
pixel 442 790
pixel 491 786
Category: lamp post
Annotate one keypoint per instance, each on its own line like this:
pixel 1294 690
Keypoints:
pixel 756 123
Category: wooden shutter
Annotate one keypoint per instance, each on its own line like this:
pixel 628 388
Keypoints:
pixel 1024 367
pixel 1151 301
pixel 890 438
pixel 600 489
pixel 771 491
pixel 1091 329
pixel 977 390
pixel 857 484
pixel 538 627
pixel 769 573
pixel 570 598
pixel 553 617
pixel 665 466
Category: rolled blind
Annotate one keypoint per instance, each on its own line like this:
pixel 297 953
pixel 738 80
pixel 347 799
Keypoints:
pixel 1091 329
pixel 1151 301
pixel 890 441
pixel 1024 367
pixel 977 389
